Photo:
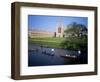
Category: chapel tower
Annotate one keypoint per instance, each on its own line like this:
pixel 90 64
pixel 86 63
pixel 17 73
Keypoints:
pixel 59 29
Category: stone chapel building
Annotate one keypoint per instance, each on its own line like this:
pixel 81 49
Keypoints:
pixel 40 33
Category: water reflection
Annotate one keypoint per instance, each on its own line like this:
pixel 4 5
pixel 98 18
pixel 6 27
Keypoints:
pixel 44 56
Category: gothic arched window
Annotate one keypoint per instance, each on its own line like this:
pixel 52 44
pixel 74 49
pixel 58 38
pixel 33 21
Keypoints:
pixel 59 30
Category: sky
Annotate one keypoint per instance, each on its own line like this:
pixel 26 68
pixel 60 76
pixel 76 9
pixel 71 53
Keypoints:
pixel 49 23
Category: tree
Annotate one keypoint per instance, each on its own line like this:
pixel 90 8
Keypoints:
pixel 76 37
pixel 75 30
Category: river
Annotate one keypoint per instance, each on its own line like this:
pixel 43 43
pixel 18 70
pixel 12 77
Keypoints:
pixel 44 56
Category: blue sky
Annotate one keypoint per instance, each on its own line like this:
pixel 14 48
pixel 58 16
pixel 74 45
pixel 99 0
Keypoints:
pixel 49 23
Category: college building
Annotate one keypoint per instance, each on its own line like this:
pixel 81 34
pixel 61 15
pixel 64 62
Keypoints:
pixel 40 33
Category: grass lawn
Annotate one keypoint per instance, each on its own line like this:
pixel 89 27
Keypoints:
pixel 48 41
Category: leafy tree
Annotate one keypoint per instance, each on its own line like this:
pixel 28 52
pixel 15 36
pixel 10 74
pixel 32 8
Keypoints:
pixel 76 37
pixel 75 30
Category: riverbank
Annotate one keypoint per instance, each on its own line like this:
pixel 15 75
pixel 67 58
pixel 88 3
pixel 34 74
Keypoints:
pixel 48 42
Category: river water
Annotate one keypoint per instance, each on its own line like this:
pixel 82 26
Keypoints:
pixel 44 56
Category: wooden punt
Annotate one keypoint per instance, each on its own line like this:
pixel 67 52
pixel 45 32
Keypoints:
pixel 69 56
